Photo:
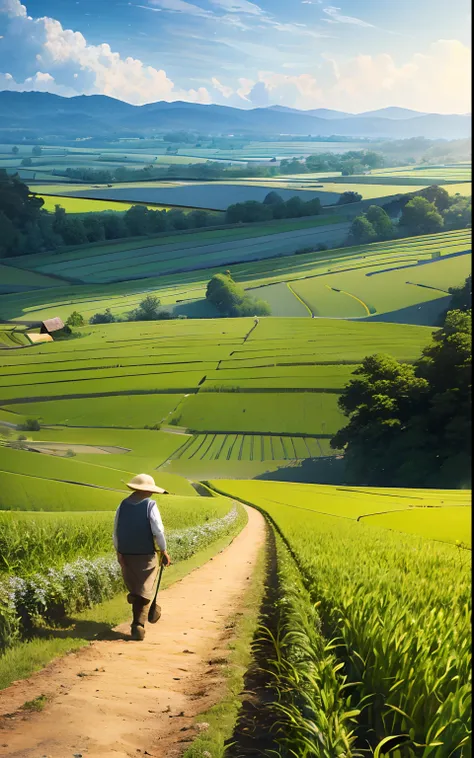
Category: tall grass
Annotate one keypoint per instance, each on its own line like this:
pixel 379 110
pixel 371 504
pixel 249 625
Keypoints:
pixel 398 608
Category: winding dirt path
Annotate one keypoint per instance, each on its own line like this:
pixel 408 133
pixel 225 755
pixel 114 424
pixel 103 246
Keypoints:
pixel 116 699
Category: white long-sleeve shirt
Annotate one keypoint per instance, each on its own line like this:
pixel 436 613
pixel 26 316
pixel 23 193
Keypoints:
pixel 156 525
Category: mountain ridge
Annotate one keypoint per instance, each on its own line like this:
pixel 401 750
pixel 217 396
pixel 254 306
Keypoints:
pixel 47 114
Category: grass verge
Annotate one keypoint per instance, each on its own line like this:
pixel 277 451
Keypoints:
pixel 97 622
pixel 223 716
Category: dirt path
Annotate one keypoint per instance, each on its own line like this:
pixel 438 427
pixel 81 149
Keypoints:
pixel 119 698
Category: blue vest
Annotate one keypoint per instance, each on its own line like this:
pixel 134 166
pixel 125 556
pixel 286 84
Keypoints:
pixel 134 535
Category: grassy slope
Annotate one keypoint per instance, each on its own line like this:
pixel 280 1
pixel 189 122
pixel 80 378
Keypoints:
pixel 442 515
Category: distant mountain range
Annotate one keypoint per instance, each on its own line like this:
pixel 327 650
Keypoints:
pixel 45 115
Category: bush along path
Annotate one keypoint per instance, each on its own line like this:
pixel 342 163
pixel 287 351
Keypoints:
pixel 120 698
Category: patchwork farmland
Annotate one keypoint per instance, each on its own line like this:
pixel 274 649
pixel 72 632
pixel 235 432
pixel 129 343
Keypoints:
pixel 234 417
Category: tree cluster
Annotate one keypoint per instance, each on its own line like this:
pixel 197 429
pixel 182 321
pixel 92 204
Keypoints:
pixel 272 207
pixel 427 212
pixel 26 228
pixel 231 299
pixel 374 224
pixel 204 171
pixel 349 163
pixel 148 310
pixel 409 425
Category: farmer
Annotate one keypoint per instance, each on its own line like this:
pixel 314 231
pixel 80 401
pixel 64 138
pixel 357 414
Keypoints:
pixel 137 525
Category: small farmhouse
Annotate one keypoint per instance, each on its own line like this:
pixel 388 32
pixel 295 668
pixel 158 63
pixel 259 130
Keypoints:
pixel 51 325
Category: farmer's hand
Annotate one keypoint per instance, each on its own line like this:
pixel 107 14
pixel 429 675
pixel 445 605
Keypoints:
pixel 120 559
pixel 165 559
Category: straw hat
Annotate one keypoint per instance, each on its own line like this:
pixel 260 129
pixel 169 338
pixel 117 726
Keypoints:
pixel 144 483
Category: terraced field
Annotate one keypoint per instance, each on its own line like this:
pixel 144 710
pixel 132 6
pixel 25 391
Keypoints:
pixel 293 285
pixel 212 386
pixel 184 252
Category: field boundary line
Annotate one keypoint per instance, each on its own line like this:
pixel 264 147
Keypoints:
pixel 300 299
pixel 364 305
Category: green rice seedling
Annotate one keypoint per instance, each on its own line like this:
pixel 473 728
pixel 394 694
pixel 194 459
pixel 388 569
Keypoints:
pixel 31 541
pixel 399 609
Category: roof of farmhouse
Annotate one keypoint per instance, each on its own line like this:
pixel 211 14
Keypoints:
pixel 52 324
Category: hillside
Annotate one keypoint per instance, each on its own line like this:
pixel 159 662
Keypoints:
pixel 44 114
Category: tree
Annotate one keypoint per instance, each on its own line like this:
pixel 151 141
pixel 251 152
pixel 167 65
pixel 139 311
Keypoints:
pixel 148 310
pixel 106 317
pixel 37 151
pixel 248 212
pixel 362 231
pixel 75 319
pixel 349 197
pixel 15 150
pixel 462 296
pixel 409 425
pixel 137 220
pixel 380 221
pixel 438 196
pixel 17 202
pixel 273 198
pixel 26 162
pixel 419 216
pixel 9 237
pixel 231 300
pixel 459 213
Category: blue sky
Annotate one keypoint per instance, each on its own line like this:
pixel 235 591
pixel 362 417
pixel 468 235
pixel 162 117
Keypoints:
pixel 352 55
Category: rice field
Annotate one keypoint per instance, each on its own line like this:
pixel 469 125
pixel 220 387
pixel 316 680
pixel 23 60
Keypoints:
pixel 385 596
pixel 78 205
pixel 251 447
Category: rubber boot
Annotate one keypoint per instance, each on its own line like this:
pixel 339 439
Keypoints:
pixel 140 612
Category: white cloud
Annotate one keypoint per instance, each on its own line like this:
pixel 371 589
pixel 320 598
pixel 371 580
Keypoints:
pixel 12 8
pixel 239 6
pixel 42 48
pixel 435 81
pixel 180 6
pixel 338 18
pixel 225 91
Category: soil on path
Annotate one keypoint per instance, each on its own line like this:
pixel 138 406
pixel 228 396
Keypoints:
pixel 116 699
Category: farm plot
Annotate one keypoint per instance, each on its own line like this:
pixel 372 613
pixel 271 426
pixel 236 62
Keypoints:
pixel 376 506
pixel 248 447
pixel 180 252
pixel 386 608
pixel 283 377
pixel 445 525
pixel 15 280
pixel 207 195
pixel 29 541
pixel 309 414
pixel 134 411
pixel 185 293
pixel 80 205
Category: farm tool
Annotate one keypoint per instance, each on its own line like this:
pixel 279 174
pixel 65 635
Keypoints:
pixel 154 612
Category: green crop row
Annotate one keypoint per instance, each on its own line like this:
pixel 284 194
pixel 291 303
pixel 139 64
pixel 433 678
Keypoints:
pixel 52 593
pixel 251 447
pixel 31 541
pixel 398 607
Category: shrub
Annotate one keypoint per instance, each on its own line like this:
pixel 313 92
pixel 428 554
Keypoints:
pixel 102 318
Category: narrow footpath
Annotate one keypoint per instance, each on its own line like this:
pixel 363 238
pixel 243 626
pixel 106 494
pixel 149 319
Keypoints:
pixel 116 699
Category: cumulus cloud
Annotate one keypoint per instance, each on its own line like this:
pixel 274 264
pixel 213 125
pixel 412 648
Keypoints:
pixel 437 80
pixel 38 53
pixel 222 88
